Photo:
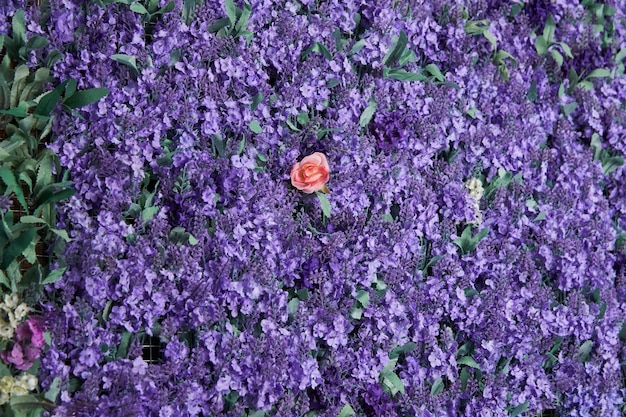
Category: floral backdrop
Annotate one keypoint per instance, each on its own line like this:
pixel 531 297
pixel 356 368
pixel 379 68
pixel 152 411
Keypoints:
pixel 315 208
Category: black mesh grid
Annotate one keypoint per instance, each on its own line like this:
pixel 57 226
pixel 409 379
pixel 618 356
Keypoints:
pixel 152 349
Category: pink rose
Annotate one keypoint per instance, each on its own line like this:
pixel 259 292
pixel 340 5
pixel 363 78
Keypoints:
pixel 30 331
pixel 26 348
pixel 311 174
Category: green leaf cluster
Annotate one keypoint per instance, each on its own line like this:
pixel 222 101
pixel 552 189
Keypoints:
pixel 235 23
pixel 390 381
pixel 481 27
pixel 467 243
pixel 601 15
pixel 362 300
pixel 544 43
pixel 609 162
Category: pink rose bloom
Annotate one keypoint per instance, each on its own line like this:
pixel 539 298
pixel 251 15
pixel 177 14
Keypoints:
pixel 26 348
pixel 15 357
pixel 30 331
pixel 311 174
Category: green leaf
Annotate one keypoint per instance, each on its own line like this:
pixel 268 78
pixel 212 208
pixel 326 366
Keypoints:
pixel 53 391
pixel 477 27
pixel 302 118
pixel 32 220
pixel 62 234
pixel 503 365
pixel 332 83
pixel 464 377
pixel 532 91
pixel 319 48
pixel 292 306
pixel 292 126
pixel 256 100
pixel 541 45
pixel 188 9
pixel 435 72
pixel 363 297
pixel 566 49
pixel 598 73
pixel 49 197
pixel 24 405
pixel 53 276
pixel 53 57
pixel 8 178
pixel 85 97
pixel 402 75
pixel 550 361
pixel 622 332
pixel 17 246
pixel 148 213
pixel 569 108
pixel 469 361
pixel 368 113
pixel 218 25
pixel 128 60
pixel 4 281
pixel 549 28
pixel 397 49
pixel 466 242
pixel 402 350
pixel 47 102
pixel 437 387
pixel 347 411
pixel 610 164
pixel 432 262
pixel 584 352
pixel 325 204
pixel 541 216
pixel 357 47
pixel 217 143
pixel 231 12
pixel 619 57
pixel 356 313
pixel 573 78
pixel 20 111
pixel 241 146
pixel 393 382
pixel 44 172
pixel 255 127
pixel 138 8
pixel 558 58
pixel 489 36
pixel 122 350
pixel 242 23
pixel 19 29
pixel 516 9
pixel 522 408
pixel 407 56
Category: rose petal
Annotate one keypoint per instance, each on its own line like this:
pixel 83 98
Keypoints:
pixel 313 159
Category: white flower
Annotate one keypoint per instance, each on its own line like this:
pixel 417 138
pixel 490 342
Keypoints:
pixel 11 300
pixel 6 384
pixel 6 330
pixel 21 312
pixel 19 390
pixel 27 381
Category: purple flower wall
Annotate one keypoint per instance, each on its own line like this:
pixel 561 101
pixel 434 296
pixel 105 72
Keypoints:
pixel 185 226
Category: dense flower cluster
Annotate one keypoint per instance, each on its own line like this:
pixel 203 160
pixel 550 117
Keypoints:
pixel 471 260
